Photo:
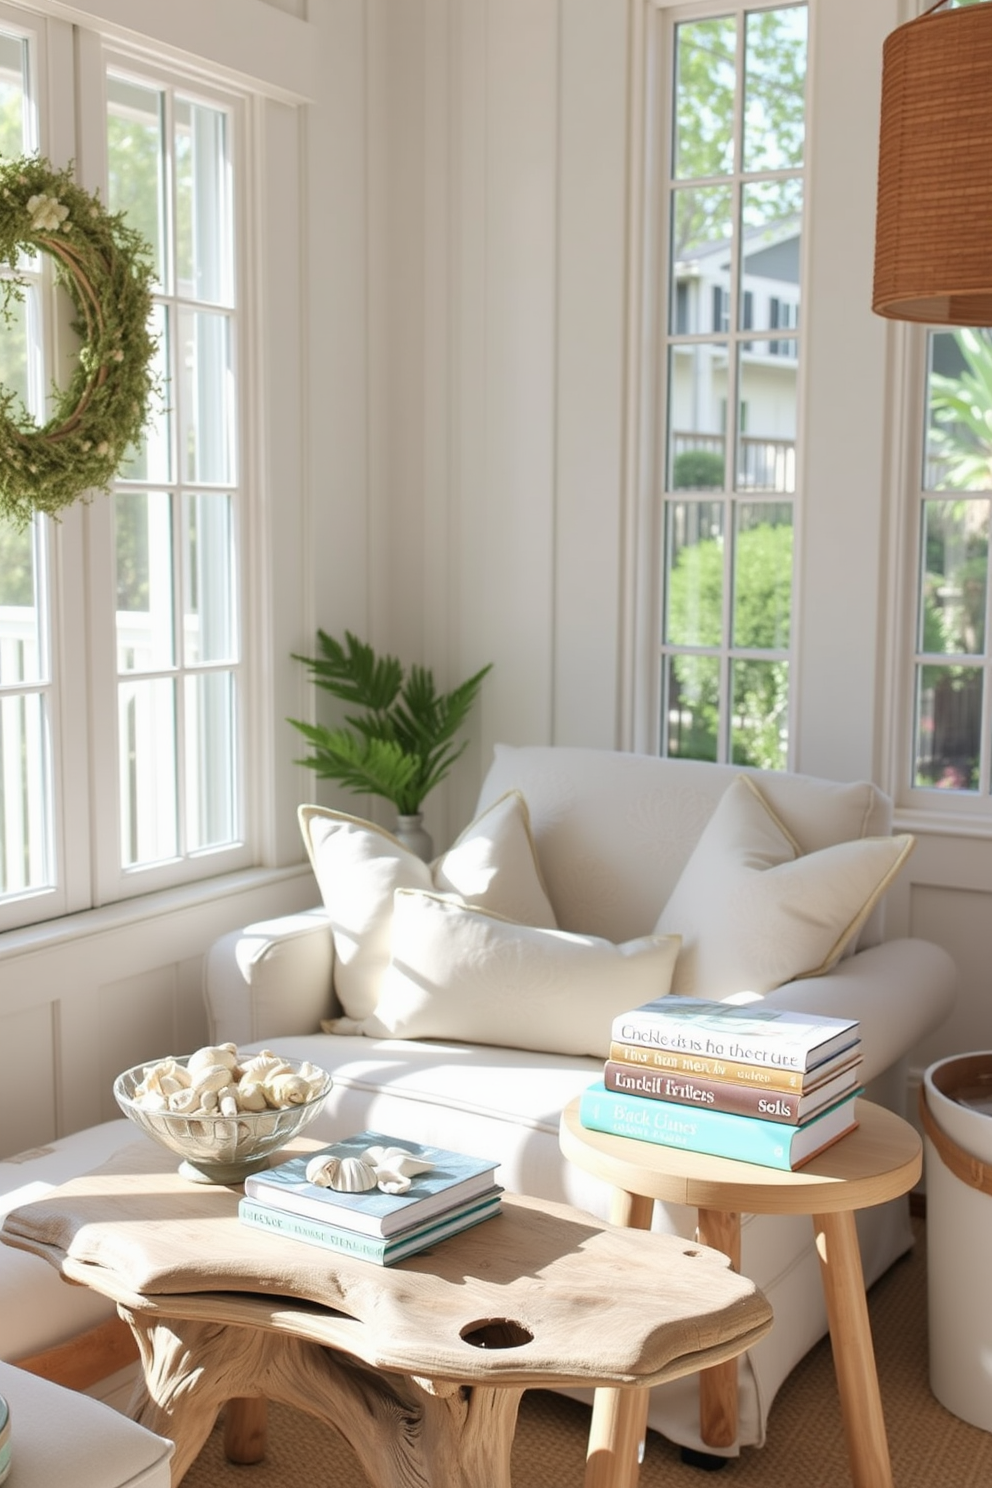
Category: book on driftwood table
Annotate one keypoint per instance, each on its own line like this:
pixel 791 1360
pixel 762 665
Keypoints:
pixel 419 1365
pixel 880 1160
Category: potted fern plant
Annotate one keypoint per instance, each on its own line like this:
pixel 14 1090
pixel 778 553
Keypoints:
pixel 401 745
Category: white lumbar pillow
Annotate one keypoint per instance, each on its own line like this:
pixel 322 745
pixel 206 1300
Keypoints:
pixel 359 866
pixel 754 912
pixel 463 973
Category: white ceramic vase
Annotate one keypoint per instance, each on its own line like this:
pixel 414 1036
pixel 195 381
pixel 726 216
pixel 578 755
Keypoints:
pixel 411 832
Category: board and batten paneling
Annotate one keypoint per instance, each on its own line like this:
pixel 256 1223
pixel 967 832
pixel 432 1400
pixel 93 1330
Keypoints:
pixel 108 989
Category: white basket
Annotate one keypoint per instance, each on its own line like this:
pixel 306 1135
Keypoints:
pixel 958 1159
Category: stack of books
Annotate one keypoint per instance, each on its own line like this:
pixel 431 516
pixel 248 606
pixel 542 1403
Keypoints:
pixel 455 1193
pixel 751 1082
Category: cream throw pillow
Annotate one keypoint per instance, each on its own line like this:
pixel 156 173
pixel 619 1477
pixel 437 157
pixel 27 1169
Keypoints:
pixel 753 912
pixel 466 974
pixel 359 866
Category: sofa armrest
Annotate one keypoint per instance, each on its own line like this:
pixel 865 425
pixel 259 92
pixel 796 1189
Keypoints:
pixel 900 991
pixel 270 978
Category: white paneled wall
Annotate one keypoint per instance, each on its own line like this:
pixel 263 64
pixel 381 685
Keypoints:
pixel 108 989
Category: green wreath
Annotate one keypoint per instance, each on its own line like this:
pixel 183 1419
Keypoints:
pixel 106 268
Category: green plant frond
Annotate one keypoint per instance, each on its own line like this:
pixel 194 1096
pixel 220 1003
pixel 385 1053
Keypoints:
pixel 401 747
pixel 353 673
pixel 375 767
pixel 425 717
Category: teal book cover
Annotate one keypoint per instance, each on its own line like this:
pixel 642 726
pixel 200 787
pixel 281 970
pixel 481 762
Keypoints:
pixel 452 1178
pixel 380 1249
pixel 771 1144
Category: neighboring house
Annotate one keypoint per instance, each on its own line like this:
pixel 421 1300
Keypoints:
pixel 769 296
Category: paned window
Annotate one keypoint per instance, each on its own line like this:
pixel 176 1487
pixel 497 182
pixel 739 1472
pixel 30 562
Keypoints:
pixel 733 201
pixel 176 503
pixel 121 667
pixel 952 653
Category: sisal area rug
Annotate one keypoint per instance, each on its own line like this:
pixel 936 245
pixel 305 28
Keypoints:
pixel 805 1444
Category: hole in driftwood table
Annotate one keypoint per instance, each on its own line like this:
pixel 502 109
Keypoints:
pixel 496 1333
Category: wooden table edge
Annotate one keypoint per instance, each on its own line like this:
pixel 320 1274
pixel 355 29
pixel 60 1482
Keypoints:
pixel 881 1160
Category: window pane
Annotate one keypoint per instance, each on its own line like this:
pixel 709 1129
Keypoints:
pixel 771 249
pixel 22 368
pixel 17 132
pixel 774 89
pixel 763 576
pixel 136 163
pixel 691 717
pixel 697 416
pixel 21 657
pixel 702 230
pixel 767 382
pixel 206 429
pixel 705 66
pixel 151 458
pixel 204 268
pixel 959 422
pixel 210 784
pixel 694 611
pixel 948 727
pixel 759 729
pixel 209 618
pixel 26 860
pixel 955 577
pixel 143 535
pixel 148 789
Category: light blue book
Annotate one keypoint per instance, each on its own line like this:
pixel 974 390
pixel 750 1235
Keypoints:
pixel 772 1144
pixel 378 1249
pixel 452 1178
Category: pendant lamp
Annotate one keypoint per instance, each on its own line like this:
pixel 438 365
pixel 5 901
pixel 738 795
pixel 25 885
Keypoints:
pixel 933 228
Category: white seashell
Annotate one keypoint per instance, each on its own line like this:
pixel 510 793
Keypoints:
pixel 251 1096
pixel 222 1054
pixel 286 1090
pixel 154 1100
pixel 211 1077
pixel 397 1159
pixel 184 1101
pixel 227 1100
pixel 344 1174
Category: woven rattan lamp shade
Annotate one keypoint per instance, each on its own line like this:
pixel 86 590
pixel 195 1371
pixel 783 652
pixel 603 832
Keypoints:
pixel 933 231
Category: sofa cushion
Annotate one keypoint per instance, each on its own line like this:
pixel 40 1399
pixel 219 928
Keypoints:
pixel 59 1436
pixel 614 830
pixel 459 972
pixel 359 866
pixel 755 912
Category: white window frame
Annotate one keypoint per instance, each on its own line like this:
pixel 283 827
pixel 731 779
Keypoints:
pixel 79 548
pixel 648 311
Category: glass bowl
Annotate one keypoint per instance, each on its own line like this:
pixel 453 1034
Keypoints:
pixel 217 1148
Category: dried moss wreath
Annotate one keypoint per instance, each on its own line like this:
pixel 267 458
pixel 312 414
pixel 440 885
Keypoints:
pixel 106 268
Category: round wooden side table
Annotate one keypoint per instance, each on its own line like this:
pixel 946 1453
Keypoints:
pixel 880 1160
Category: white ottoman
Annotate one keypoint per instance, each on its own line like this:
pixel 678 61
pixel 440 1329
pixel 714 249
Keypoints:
pixel 38 1310
pixel 57 1436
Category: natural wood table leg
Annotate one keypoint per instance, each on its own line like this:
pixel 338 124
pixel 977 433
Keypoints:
pixel 619 1417
pixel 404 1430
pixel 718 1405
pixel 853 1351
pixel 246 1429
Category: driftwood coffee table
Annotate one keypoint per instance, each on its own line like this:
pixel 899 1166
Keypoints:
pixel 420 1366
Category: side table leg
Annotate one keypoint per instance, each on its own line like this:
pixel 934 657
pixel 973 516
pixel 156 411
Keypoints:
pixel 853 1351
pixel 619 1417
pixel 246 1429
pixel 718 1405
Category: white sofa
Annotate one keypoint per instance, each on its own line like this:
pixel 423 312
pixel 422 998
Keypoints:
pixel 615 836
pixel 58 1436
